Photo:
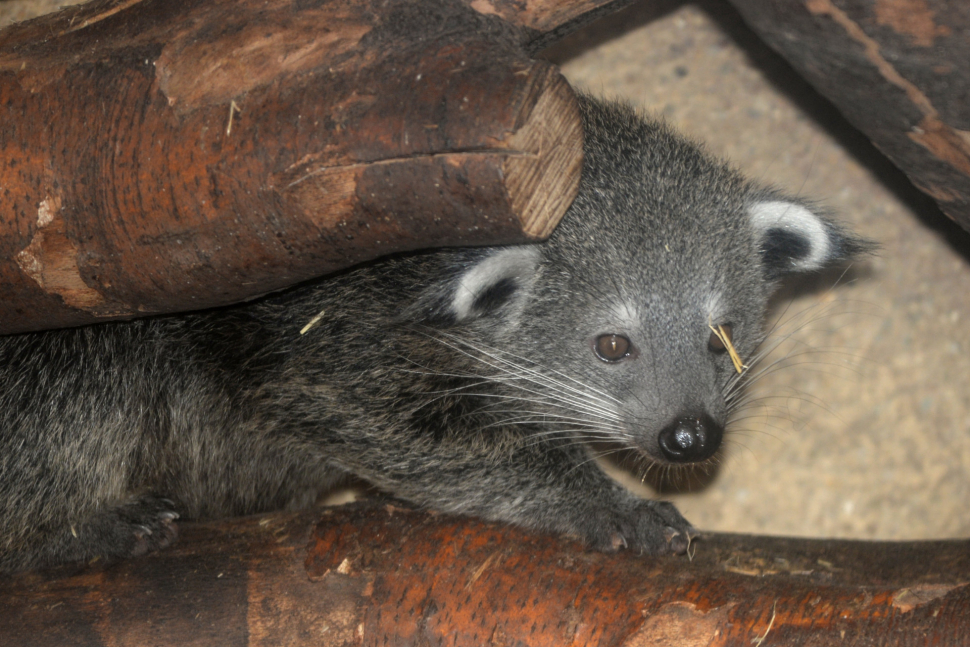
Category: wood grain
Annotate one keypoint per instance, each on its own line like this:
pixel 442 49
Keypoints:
pixel 170 155
pixel 897 69
pixel 380 573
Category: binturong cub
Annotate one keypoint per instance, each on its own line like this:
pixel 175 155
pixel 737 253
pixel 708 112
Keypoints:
pixel 463 380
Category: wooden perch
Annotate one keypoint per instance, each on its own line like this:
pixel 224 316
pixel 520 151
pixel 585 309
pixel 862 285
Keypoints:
pixel 379 574
pixel 159 156
pixel 897 70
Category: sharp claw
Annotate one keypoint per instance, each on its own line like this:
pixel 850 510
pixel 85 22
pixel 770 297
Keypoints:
pixel 168 515
pixel 677 541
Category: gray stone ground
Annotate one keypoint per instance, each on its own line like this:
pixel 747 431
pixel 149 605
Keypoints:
pixel 865 430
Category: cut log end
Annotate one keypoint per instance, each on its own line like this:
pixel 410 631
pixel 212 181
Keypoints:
pixel 544 181
pixel 512 188
pixel 543 15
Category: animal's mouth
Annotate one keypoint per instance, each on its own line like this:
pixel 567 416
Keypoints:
pixel 636 467
pixel 639 462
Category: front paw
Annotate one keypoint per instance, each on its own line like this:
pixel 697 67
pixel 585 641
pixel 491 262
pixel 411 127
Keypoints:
pixel 149 524
pixel 645 527
pixel 142 525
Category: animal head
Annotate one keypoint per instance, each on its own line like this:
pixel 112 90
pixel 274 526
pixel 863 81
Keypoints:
pixel 622 325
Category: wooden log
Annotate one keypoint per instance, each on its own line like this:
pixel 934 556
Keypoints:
pixel 897 69
pixel 375 573
pixel 167 155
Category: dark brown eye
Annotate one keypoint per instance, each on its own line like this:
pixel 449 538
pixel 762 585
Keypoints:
pixel 611 348
pixel 715 343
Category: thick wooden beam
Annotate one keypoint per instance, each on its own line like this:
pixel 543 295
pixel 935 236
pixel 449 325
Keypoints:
pixel 376 573
pixel 167 155
pixel 898 70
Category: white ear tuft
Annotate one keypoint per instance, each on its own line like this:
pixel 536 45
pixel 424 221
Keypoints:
pixel 792 238
pixel 493 280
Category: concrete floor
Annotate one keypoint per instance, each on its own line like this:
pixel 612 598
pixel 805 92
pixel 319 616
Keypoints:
pixel 865 431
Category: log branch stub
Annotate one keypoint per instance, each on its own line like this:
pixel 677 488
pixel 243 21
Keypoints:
pixel 376 573
pixel 898 71
pixel 162 156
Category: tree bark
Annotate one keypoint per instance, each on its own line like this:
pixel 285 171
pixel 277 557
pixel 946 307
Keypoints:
pixel 168 155
pixel 898 70
pixel 376 573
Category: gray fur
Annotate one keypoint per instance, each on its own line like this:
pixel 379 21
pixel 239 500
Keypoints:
pixel 459 379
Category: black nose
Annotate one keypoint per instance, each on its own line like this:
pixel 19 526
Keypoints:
pixel 690 439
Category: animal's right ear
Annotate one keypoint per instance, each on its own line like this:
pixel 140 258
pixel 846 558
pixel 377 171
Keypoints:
pixel 794 238
pixel 485 284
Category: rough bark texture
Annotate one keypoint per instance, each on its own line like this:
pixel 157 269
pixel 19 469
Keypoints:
pixel 380 574
pixel 897 69
pixel 166 155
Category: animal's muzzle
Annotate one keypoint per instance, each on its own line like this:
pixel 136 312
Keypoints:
pixel 690 439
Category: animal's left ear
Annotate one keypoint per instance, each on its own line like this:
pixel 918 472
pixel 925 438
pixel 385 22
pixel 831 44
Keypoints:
pixel 794 238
